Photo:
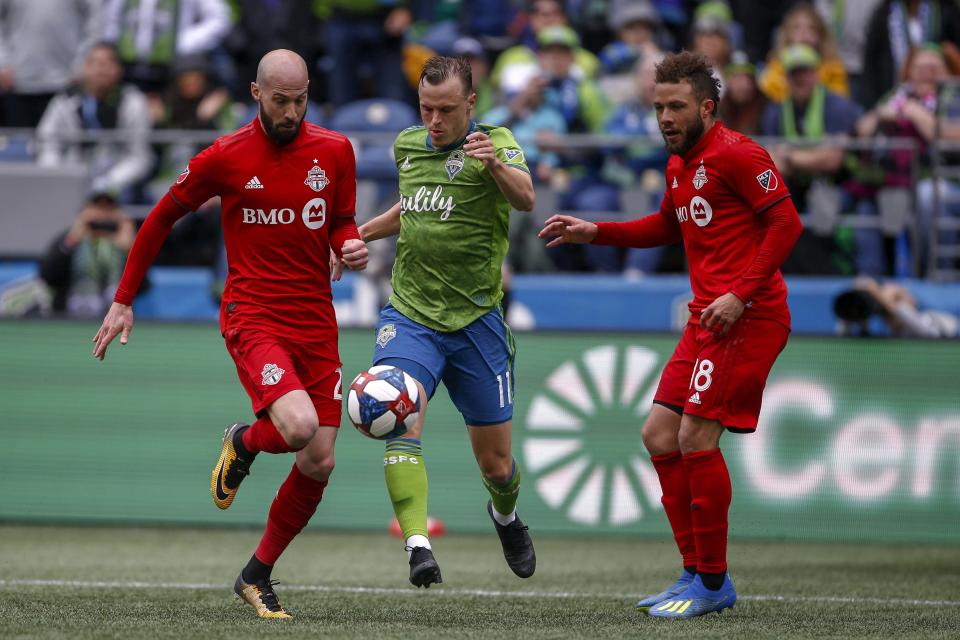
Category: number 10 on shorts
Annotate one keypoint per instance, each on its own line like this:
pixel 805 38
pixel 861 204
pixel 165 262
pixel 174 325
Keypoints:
pixel 509 394
pixel 701 378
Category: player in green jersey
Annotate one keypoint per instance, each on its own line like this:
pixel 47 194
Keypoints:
pixel 459 181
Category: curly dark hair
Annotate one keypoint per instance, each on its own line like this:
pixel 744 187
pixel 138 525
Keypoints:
pixel 693 68
pixel 440 68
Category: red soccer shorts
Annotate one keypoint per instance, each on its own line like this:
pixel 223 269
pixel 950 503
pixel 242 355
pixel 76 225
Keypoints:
pixel 723 378
pixel 270 367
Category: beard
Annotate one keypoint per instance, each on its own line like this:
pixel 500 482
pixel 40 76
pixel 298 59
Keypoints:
pixel 689 138
pixel 279 136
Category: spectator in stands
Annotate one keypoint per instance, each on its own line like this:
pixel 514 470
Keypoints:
pixel 99 102
pixel 848 23
pixel 194 100
pixel 265 25
pixel 814 121
pixel 577 98
pixel 150 35
pixel 42 47
pixel 809 114
pixel 641 163
pixel 636 24
pixel 759 20
pixel 83 265
pixel 743 104
pixel 895 28
pixel 896 306
pixel 910 111
pixel 803 25
pixel 515 64
pixel 584 110
pixel 531 120
pixel 473 51
pixel 364 42
pixel 713 37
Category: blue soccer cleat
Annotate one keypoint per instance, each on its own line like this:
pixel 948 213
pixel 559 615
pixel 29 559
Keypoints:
pixel 675 589
pixel 696 601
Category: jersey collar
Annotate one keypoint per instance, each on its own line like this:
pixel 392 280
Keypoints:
pixel 703 142
pixel 453 145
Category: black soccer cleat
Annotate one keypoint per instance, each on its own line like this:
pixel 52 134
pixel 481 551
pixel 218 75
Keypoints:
pixel 424 569
pixel 517 545
pixel 229 471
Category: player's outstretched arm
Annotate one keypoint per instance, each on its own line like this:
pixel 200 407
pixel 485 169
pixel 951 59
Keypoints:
pixel 118 321
pixel 383 226
pixel 565 229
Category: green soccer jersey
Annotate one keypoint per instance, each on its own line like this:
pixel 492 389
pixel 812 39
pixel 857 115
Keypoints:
pixel 453 229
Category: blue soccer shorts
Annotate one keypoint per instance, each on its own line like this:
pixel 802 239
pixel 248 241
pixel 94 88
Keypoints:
pixel 474 363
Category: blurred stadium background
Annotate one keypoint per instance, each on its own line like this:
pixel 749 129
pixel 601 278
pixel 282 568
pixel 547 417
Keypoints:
pixel 860 438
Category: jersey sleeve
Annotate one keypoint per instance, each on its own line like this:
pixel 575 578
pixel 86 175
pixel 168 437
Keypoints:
pixel 752 174
pixel 507 149
pixel 200 181
pixel 345 196
pixel 655 230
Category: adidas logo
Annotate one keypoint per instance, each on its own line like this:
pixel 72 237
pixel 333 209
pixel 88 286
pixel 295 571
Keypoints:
pixel 695 398
pixel 254 183
pixel 674 185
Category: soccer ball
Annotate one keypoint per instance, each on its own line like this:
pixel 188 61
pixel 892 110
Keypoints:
pixel 383 402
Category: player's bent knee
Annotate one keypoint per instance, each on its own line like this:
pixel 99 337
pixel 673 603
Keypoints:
pixel 699 434
pixel 319 469
pixel 299 428
pixel 496 469
pixel 657 440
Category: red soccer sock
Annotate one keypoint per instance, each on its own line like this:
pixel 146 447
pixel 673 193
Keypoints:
pixel 676 502
pixel 711 493
pixel 295 503
pixel 263 435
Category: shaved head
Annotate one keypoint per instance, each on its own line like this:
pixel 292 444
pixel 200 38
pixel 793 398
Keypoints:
pixel 281 92
pixel 281 67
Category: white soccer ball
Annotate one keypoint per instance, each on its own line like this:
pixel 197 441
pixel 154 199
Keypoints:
pixel 383 402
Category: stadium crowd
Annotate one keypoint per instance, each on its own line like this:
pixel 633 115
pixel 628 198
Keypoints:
pixel 849 98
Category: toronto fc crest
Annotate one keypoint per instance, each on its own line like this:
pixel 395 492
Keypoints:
pixel 700 177
pixel 271 374
pixel 316 178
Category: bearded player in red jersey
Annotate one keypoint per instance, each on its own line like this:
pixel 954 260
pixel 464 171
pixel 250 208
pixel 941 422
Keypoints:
pixel 288 191
pixel 728 205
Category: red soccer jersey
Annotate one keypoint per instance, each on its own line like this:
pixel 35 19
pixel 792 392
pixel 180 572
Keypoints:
pixel 282 206
pixel 717 193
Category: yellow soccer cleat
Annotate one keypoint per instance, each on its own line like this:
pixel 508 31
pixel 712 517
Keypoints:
pixel 229 471
pixel 261 597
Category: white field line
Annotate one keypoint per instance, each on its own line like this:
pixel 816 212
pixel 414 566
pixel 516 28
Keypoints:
pixel 124 584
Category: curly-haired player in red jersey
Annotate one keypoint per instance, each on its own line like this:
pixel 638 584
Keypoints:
pixel 288 192
pixel 728 205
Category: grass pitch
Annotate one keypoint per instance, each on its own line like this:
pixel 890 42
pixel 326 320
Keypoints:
pixel 104 582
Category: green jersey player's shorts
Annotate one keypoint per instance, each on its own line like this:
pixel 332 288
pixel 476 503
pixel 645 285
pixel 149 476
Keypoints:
pixel 475 363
